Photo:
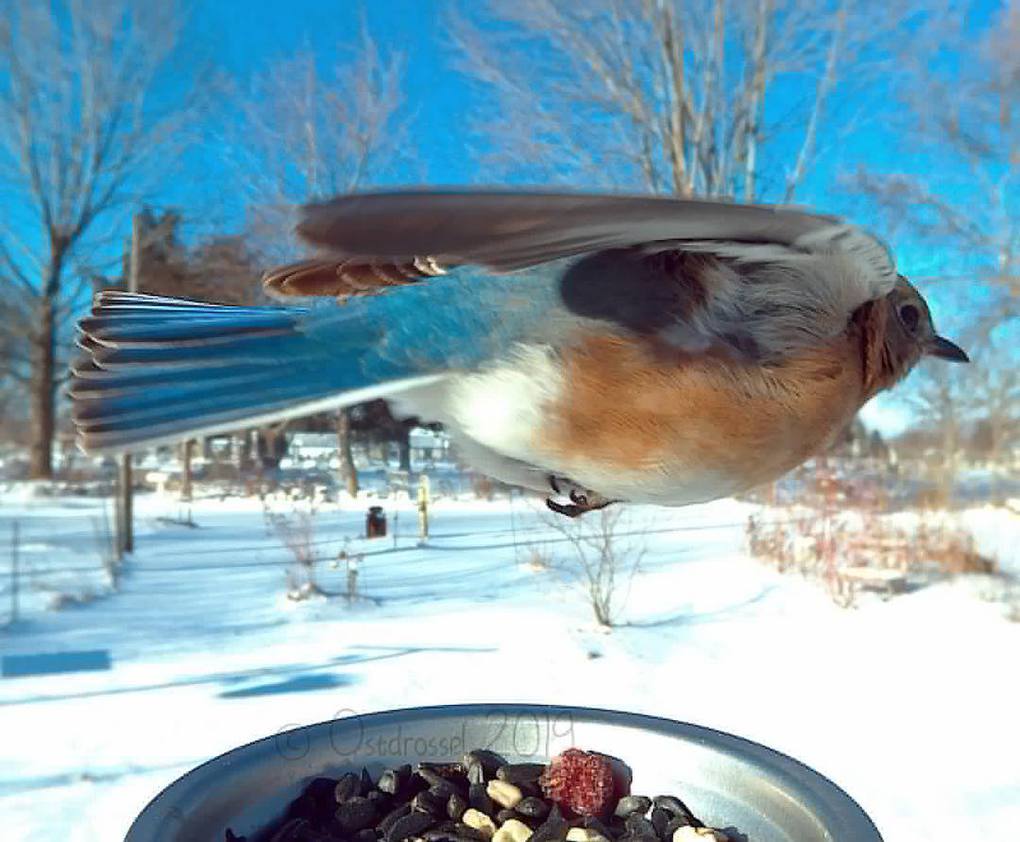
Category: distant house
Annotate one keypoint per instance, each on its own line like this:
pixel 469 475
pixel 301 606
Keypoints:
pixel 427 448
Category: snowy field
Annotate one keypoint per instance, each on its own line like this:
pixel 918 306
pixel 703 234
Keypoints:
pixel 912 704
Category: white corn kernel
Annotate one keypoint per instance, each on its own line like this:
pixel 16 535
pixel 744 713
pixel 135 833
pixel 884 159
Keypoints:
pixel 698 834
pixel 479 821
pixel 512 830
pixel 585 834
pixel 504 793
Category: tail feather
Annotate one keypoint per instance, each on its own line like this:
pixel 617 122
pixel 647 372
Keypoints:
pixel 158 369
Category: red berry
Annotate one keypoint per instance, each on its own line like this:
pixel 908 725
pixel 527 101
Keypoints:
pixel 580 781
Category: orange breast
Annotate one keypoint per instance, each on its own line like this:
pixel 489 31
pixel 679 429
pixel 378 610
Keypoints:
pixel 627 407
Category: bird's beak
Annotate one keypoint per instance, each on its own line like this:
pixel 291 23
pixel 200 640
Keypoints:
pixel 945 350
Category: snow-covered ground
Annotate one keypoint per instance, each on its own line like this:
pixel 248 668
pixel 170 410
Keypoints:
pixel 912 705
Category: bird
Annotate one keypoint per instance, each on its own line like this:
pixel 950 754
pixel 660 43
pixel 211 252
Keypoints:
pixel 593 348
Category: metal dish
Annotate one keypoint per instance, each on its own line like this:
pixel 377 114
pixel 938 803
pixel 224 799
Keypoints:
pixel 728 782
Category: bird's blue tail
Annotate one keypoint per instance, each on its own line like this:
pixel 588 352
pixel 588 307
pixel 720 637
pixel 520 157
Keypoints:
pixel 159 369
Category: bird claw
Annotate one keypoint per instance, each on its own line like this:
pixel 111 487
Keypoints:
pixel 581 501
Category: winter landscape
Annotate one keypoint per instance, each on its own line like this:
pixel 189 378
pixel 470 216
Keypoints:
pixel 909 701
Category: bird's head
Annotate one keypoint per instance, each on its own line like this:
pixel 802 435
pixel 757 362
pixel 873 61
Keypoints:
pixel 906 335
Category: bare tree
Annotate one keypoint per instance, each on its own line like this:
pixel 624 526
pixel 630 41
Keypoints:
pixel 308 134
pixel 601 565
pixel 84 130
pixel 959 88
pixel 938 400
pixel 667 96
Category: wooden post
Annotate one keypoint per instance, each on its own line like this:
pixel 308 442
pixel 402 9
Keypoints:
pixel 188 449
pixel 423 508
pixel 125 521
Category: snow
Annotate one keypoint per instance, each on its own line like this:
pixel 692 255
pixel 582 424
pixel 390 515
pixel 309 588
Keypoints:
pixel 910 704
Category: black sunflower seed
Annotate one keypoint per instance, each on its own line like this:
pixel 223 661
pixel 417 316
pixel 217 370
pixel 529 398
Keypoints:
pixel 347 787
pixel 660 821
pixel 391 817
pixel 430 802
pixel 532 807
pixel 638 825
pixel 413 824
pixel 675 807
pixel 355 814
pixel 676 824
pixel 630 804
pixel 520 773
pixel 553 829
pixel 456 804
pixel 479 799
pixel 488 760
pixel 505 815
pixel 594 823
pixel 391 781
pixel 440 784
pixel 475 773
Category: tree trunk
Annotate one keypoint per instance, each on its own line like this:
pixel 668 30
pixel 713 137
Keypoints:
pixel 187 450
pixel 43 405
pixel 348 473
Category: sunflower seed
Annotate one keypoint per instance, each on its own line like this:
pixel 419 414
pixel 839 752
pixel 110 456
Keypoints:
pixel 347 787
pixel 675 807
pixel 413 824
pixel 479 799
pixel 455 806
pixel 393 816
pixel 630 804
pixel 519 773
pixel 430 802
pixel 593 823
pixel 355 814
pixel 638 825
pixel 660 821
pixel 553 829
pixel 534 808
pixel 488 760
pixel 391 781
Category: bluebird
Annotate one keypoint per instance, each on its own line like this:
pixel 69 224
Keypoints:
pixel 594 348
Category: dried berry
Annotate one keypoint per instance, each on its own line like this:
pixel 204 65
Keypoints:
pixel 579 780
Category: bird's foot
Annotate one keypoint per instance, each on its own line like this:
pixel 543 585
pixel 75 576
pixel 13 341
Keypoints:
pixel 581 502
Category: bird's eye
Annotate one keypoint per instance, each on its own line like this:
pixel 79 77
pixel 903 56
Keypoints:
pixel 910 317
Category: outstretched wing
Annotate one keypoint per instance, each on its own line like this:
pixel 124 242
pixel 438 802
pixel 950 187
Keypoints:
pixel 504 231
pixel 760 280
